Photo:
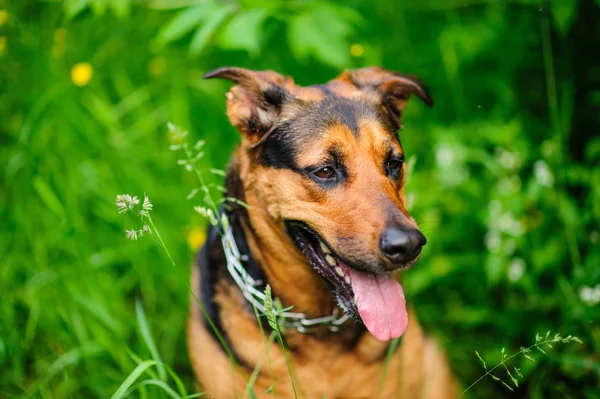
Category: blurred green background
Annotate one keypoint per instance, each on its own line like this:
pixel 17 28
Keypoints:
pixel 506 178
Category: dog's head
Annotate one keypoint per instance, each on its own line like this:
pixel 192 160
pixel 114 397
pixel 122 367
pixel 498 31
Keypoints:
pixel 326 164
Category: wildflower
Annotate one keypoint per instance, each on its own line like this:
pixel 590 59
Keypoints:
pixel 81 74
pixel 208 214
pixel 542 173
pixel 126 202
pixel 356 50
pixel 146 207
pixel 131 235
pixel 196 237
pixel 516 269
pixel 590 295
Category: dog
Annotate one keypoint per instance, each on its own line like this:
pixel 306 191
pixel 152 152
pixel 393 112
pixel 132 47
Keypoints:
pixel 320 173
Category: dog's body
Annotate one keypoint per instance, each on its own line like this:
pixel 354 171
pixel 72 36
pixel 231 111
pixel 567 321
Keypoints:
pixel 320 169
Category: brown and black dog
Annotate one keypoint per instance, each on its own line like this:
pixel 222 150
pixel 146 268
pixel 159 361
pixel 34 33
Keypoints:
pixel 322 172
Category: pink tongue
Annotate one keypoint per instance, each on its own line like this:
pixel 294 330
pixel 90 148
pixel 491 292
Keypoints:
pixel 381 304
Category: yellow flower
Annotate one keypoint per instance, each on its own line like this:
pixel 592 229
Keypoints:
pixel 196 237
pixel 357 50
pixel 3 17
pixel 82 73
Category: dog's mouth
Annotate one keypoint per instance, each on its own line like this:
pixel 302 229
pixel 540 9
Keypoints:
pixel 375 299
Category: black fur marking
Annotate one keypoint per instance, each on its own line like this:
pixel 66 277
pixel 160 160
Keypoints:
pixel 325 90
pixel 292 136
pixel 339 160
pixel 279 150
pixel 342 111
pixel 210 257
pixel 212 267
pixel 275 95
pixel 333 111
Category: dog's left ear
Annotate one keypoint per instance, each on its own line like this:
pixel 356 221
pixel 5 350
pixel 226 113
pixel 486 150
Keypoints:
pixel 255 102
pixel 392 88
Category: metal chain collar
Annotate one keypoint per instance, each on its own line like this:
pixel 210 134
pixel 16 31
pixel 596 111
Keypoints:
pixel 248 286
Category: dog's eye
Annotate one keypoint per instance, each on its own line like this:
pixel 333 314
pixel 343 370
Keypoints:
pixel 325 173
pixel 394 166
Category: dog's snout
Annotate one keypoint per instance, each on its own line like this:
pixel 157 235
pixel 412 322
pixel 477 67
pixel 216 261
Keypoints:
pixel 401 244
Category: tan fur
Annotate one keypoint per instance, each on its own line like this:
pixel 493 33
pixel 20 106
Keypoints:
pixel 320 366
pixel 326 364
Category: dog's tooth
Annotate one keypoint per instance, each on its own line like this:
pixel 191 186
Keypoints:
pixel 330 259
pixel 355 300
pixel 347 279
pixel 324 248
pixel 339 271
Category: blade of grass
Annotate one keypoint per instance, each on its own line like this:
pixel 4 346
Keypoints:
pixel 388 358
pixel 252 379
pixel 131 378
pixel 147 336
pixel 167 389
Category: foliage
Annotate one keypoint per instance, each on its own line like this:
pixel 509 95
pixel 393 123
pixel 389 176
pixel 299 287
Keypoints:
pixel 540 342
pixel 505 180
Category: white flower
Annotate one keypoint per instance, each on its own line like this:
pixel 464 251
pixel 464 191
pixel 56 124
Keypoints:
pixel 147 206
pixel 126 202
pixel 516 269
pixel 131 235
pixel 444 156
pixel 542 173
pixel 589 295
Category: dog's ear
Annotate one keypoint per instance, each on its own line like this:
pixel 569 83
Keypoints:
pixel 392 88
pixel 255 102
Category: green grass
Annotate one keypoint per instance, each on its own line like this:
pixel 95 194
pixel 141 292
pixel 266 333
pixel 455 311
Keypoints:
pixel 505 182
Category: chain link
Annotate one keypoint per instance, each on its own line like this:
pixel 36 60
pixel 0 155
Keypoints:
pixel 248 286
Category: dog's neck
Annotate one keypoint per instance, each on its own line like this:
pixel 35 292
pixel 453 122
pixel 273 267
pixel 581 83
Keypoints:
pixel 288 272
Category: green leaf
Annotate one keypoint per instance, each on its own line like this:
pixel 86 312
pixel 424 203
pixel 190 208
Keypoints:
pixel 214 18
pixel 147 336
pixel 541 350
pixel 481 359
pixel 495 268
pixel 120 7
pixel 244 31
pixel 321 32
pixel 48 196
pixel 74 7
pixel 184 22
pixel 139 370
pixel 502 381
pixel 167 389
pixel 563 13
pixel 513 379
pixel 99 6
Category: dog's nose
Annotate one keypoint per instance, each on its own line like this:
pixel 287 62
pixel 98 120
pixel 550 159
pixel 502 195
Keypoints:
pixel 401 244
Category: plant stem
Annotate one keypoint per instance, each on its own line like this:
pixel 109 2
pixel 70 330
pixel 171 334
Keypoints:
pixel 388 358
pixel 557 130
pixel 506 360
pixel 163 247
pixel 287 362
pixel 256 370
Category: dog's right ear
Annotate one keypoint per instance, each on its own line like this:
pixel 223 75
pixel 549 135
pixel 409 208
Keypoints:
pixel 255 102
